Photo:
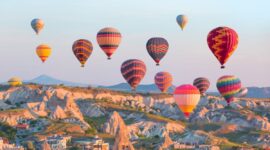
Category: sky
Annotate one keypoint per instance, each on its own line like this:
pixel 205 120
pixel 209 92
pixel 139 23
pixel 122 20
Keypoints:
pixel 188 57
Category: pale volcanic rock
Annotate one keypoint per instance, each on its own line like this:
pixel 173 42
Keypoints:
pixel 58 113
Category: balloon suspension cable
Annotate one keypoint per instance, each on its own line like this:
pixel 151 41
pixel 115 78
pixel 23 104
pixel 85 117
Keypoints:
pixel 222 67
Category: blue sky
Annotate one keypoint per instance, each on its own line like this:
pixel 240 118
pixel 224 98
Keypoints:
pixel 188 57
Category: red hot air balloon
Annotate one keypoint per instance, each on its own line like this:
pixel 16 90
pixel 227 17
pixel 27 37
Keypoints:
pixel 82 49
pixel 186 97
pixel 222 41
pixel 202 84
pixel 163 80
pixel 157 48
pixel 133 70
pixel 109 40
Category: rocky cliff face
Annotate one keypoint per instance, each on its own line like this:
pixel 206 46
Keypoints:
pixel 14 116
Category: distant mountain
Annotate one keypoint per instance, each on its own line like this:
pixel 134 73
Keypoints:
pixel 47 80
pixel 258 92
pixel 141 88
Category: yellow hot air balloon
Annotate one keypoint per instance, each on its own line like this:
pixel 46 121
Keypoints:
pixel 15 81
pixel 43 52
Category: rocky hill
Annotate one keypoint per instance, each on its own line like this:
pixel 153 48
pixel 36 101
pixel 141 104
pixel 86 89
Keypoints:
pixel 147 120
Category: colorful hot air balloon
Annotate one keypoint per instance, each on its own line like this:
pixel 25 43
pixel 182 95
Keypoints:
pixel 243 92
pixel 228 86
pixel 187 97
pixel 163 80
pixel 182 21
pixel 133 70
pixel 43 51
pixel 37 25
pixel 82 49
pixel 222 41
pixel 157 47
pixel 202 84
pixel 109 40
pixel 15 81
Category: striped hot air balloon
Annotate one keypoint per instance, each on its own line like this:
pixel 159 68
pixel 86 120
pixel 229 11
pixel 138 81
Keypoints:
pixel 187 97
pixel 109 40
pixel 82 49
pixel 43 51
pixel 163 80
pixel 182 21
pixel 37 25
pixel 15 81
pixel 228 86
pixel 157 47
pixel 243 92
pixel 202 84
pixel 133 70
pixel 222 41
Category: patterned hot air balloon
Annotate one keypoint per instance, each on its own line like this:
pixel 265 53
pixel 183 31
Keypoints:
pixel 222 41
pixel 187 97
pixel 202 84
pixel 109 40
pixel 82 49
pixel 15 81
pixel 163 80
pixel 228 86
pixel 37 25
pixel 133 70
pixel 243 92
pixel 43 51
pixel 157 47
pixel 182 21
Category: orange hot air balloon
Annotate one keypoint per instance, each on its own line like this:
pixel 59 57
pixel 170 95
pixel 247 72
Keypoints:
pixel 163 80
pixel 82 49
pixel 109 40
pixel 43 51
pixel 187 97
pixel 222 41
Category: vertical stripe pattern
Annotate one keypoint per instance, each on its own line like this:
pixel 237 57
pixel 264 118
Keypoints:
pixel 228 86
pixel 202 84
pixel 186 97
pixel 82 49
pixel 133 70
pixel 157 48
pixel 182 21
pixel 163 81
pixel 222 41
pixel 109 40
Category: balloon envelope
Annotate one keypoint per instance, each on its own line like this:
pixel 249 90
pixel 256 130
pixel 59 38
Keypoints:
pixel 37 25
pixel 109 39
pixel 163 81
pixel 133 70
pixel 202 84
pixel 222 41
pixel 15 81
pixel 157 48
pixel 228 86
pixel 82 49
pixel 182 21
pixel 242 92
pixel 43 51
pixel 187 97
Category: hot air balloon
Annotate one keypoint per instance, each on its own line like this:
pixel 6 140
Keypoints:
pixel 37 25
pixel 109 40
pixel 202 84
pixel 243 92
pixel 228 86
pixel 222 41
pixel 133 70
pixel 43 51
pixel 157 47
pixel 182 21
pixel 187 97
pixel 82 49
pixel 15 81
pixel 163 80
